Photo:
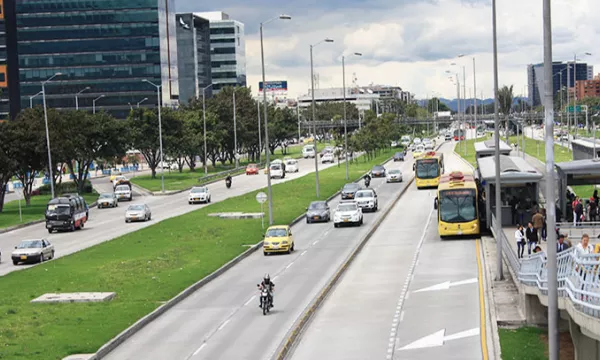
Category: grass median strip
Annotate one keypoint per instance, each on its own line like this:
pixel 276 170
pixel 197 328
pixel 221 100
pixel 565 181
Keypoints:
pixel 35 211
pixel 174 180
pixel 144 268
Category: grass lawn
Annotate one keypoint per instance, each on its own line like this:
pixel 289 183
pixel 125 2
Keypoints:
pixel 144 268
pixel 537 149
pixel 470 154
pixel 522 344
pixel 584 191
pixel 10 215
pixel 174 180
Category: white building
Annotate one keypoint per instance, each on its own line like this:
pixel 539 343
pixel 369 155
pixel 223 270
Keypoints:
pixel 359 97
pixel 228 50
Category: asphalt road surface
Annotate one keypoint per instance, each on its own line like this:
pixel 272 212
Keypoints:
pixel 107 224
pixel 222 320
pixel 377 310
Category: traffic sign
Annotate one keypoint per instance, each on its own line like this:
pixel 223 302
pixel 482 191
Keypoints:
pixel 261 197
pixel 577 109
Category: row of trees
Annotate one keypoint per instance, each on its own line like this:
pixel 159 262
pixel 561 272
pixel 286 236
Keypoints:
pixel 78 139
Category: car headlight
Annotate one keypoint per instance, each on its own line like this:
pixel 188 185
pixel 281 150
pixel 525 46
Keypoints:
pixel 266 243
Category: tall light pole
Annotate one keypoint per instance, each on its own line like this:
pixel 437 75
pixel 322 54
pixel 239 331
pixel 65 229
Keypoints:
pixel 497 184
pixel 474 93
pixel 235 152
pixel 553 340
pixel 94 103
pixel 575 87
pixel 141 101
pixel 32 97
pixel 77 97
pixel 345 119
pixel 204 120
pixel 47 133
pixel 262 59
pixel 312 85
pixel 259 131
pixel 162 161
pixel 298 114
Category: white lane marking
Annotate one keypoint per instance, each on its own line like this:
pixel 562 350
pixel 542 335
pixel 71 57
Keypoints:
pixel 315 243
pixel 289 265
pixel 199 349
pixel 275 278
pixel 304 252
pixel 250 300
pixel 223 325
pixel 405 294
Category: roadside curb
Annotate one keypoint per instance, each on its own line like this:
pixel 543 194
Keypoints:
pixel 287 345
pixel 140 324
pixel 463 160
pixel 496 352
pixel 35 222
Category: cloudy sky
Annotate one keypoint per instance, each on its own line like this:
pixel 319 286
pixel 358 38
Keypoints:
pixel 410 43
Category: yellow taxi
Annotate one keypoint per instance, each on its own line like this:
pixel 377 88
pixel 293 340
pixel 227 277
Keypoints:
pixel 278 239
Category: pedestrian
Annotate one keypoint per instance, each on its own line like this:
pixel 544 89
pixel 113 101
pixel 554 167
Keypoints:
pixel 532 237
pixel 578 211
pixel 584 246
pixel 520 239
pixel 592 209
pixel 595 196
pixel 561 245
pixel 574 206
pixel 514 208
pixel 538 223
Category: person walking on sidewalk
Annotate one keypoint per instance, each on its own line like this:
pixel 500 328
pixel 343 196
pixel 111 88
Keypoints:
pixel 561 245
pixel 538 223
pixel 532 237
pixel 520 239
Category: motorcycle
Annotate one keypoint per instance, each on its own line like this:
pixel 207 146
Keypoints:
pixel 367 181
pixel 228 182
pixel 265 301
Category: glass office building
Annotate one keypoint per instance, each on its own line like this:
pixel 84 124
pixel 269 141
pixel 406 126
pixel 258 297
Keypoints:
pixel 535 79
pixel 103 49
pixel 193 47
pixel 228 50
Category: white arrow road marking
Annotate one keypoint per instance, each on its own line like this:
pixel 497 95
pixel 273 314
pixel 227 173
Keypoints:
pixel 447 285
pixel 437 339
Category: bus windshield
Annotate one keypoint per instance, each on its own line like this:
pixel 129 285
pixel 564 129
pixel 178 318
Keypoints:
pixel 457 205
pixel 58 209
pixel 428 169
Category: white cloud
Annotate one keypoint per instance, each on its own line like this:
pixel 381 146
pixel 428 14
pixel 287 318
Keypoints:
pixel 411 43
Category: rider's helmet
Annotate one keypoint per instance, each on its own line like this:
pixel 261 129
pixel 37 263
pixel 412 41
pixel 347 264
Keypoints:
pixel 267 279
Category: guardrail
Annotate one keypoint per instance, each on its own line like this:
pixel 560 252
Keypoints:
pixel 578 274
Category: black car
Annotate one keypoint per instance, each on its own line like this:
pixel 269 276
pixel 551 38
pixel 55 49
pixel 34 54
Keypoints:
pixel 317 211
pixel 349 191
pixel 399 156
pixel 378 171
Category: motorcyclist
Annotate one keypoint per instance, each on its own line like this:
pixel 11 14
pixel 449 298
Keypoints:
pixel 269 285
pixel 228 180
pixel 367 180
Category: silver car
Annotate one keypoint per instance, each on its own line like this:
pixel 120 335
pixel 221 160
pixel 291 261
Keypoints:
pixel 107 200
pixel 37 250
pixel 138 212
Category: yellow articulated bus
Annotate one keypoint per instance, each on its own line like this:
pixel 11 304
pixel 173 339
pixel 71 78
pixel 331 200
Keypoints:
pixel 457 205
pixel 428 169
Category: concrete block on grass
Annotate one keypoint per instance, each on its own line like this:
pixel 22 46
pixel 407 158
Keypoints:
pixel 75 297
pixel 237 215
pixel 79 357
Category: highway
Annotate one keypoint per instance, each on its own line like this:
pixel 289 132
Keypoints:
pixel 222 320
pixel 408 295
pixel 107 224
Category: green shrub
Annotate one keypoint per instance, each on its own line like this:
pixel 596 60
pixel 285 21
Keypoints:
pixel 66 188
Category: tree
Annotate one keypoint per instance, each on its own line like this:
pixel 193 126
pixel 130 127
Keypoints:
pixel 434 104
pixel 282 126
pixel 27 138
pixel 142 126
pixel 88 137
pixel 7 163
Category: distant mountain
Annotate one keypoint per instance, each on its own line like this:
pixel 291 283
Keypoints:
pixel 453 103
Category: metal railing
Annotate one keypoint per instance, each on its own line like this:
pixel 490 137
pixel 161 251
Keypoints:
pixel 592 228
pixel 578 274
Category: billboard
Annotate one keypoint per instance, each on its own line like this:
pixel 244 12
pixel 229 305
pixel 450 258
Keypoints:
pixel 279 85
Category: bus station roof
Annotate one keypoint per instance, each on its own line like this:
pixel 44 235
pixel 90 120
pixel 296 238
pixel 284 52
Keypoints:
pixel 488 147
pixel 588 167
pixel 513 170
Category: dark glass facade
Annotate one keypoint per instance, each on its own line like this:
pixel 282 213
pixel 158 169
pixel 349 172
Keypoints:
pixel 109 46
pixel 535 75
pixel 193 48
pixel 9 67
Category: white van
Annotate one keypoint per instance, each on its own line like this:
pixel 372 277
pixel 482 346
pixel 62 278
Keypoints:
pixel 276 171
pixel 308 151
pixel 291 165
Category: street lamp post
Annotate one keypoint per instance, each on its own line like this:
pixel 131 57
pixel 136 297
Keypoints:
pixel 51 177
pixel 204 120
pixel 94 103
pixel 141 101
pixel 32 97
pixel 312 85
pixel 260 132
pixel 575 87
pixel 159 105
pixel 345 119
pixel 235 152
pixel 77 97
pixel 497 184
pixel 262 59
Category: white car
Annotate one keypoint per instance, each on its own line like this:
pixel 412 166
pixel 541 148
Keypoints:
pixel 366 199
pixel 291 165
pixel 327 157
pixel 393 175
pixel 417 141
pixel 428 145
pixel 347 212
pixel 276 171
pixel 118 179
pixel 37 250
pixel 123 192
pixel 199 194
pixel 308 151
pixel 138 212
